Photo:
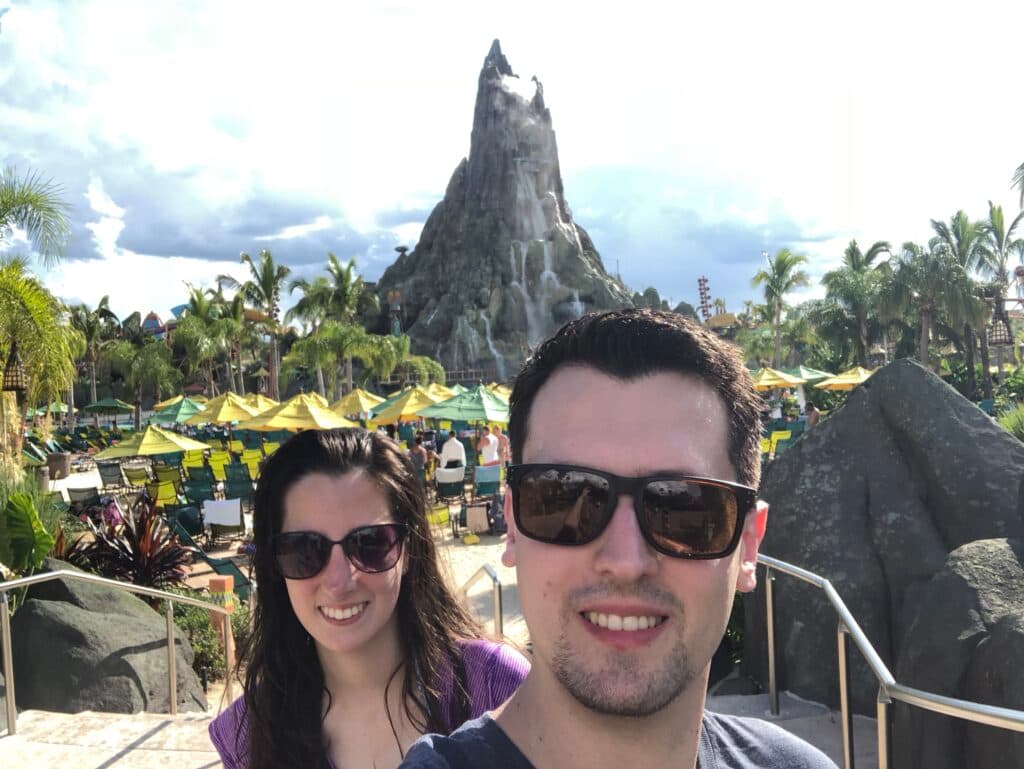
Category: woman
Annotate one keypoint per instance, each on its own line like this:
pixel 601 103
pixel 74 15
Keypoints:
pixel 358 646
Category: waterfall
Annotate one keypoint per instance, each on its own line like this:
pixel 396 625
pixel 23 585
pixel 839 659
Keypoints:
pixel 577 306
pixel 534 308
pixel 499 360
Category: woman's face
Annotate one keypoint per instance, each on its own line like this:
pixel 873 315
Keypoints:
pixel 342 608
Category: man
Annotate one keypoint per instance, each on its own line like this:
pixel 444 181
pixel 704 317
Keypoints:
pixel 628 553
pixel 488 447
pixel 503 444
pixel 813 415
pixel 453 453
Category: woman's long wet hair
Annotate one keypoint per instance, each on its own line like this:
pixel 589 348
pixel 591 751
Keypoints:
pixel 284 683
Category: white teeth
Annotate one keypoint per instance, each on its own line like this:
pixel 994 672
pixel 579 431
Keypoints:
pixel 628 624
pixel 342 613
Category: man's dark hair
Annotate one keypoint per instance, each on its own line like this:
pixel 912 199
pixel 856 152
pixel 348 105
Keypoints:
pixel 451 435
pixel 419 440
pixel 628 344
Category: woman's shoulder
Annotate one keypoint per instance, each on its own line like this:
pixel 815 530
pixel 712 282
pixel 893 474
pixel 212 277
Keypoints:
pixel 493 672
pixel 229 734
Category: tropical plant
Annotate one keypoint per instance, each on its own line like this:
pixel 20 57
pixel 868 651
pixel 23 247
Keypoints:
pixel 91 325
pixel 348 298
pixel 1013 422
pixel 142 550
pixel 855 287
pixel 263 290
pixel 143 367
pixel 24 539
pixel 35 205
pixel 312 308
pixel 781 277
pixel 195 622
pixel 962 239
pixel 998 246
pixel 1018 182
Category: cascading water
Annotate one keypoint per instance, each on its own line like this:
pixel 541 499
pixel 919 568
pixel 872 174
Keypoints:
pixel 499 359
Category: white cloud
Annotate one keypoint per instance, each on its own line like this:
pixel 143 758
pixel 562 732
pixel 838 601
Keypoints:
pixel 298 230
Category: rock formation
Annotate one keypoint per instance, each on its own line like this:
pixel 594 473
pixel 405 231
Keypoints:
pixel 500 263
pixel 80 647
pixel 876 498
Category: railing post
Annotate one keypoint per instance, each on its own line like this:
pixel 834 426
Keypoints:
pixel 882 718
pixel 769 608
pixel 499 624
pixel 229 645
pixel 5 638
pixel 846 714
pixel 172 672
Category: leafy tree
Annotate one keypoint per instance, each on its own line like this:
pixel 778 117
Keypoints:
pixel 998 246
pixel 144 367
pixel 855 287
pixel 91 325
pixel 35 205
pixel 313 307
pixel 348 298
pixel 263 290
pixel 781 277
pixel 1018 182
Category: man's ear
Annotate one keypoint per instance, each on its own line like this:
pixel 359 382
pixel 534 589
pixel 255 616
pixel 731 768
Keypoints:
pixel 750 543
pixel 508 558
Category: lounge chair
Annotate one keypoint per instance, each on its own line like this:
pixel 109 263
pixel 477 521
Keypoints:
pixel 223 566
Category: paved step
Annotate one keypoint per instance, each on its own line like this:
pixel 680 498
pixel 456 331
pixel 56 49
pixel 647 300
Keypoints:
pixel 109 741
pixel 812 722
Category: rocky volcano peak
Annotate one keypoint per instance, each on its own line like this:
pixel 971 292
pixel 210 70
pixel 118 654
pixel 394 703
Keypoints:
pixel 500 263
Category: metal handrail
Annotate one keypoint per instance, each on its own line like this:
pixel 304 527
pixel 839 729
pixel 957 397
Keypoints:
pixel 888 688
pixel 488 570
pixel 170 598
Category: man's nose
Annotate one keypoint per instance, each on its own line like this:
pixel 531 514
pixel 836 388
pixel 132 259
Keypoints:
pixel 622 552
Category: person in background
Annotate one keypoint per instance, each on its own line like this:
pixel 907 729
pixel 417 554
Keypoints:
pixel 358 645
pixel 489 448
pixel 813 415
pixel 453 453
pixel 505 447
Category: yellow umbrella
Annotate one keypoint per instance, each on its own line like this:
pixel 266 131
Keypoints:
pixel 501 391
pixel 169 402
pixel 847 380
pixel 224 408
pixel 404 408
pixel 199 398
pixel 152 440
pixel 769 379
pixel 260 402
pixel 440 391
pixel 356 402
pixel 299 413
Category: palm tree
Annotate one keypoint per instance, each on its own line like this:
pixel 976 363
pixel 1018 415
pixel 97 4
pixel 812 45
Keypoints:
pixel 931 285
pixel 312 308
pixel 35 205
pixel 781 277
pixel 1018 182
pixel 962 239
pixel 995 251
pixel 855 286
pixel 32 317
pixel 233 328
pixel 145 366
pixel 263 289
pixel 348 298
pixel 90 324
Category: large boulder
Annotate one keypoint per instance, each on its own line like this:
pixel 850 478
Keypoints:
pixel 85 647
pixel 875 498
pixel 965 639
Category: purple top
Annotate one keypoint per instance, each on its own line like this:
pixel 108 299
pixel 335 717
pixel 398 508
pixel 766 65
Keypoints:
pixel 493 672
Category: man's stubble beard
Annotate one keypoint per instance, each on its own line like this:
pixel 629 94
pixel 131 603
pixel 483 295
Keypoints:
pixel 619 687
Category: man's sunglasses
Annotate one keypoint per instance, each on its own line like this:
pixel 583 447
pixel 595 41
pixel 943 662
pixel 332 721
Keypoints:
pixel 371 549
pixel 679 515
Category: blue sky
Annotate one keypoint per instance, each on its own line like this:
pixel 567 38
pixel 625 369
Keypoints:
pixel 690 139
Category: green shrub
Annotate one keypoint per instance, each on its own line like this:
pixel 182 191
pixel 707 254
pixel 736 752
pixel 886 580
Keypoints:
pixel 197 626
pixel 1013 421
pixel 241 626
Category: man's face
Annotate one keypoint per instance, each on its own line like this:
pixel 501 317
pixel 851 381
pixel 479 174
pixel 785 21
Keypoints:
pixel 666 422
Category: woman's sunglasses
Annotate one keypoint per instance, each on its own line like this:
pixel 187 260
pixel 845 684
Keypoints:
pixel 679 515
pixel 371 549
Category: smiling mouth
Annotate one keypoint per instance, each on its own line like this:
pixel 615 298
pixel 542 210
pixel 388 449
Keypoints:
pixel 340 614
pixel 628 623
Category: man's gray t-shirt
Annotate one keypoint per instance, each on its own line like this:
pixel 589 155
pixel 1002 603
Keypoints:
pixel 726 742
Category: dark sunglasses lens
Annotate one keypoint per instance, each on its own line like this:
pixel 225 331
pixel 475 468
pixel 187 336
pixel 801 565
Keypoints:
pixel 374 548
pixel 301 555
pixel 564 507
pixel 690 517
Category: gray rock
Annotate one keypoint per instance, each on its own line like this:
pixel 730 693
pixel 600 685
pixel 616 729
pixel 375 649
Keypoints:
pixel 966 640
pixel 875 498
pixel 500 263
pixel 72 654
pixel 85 595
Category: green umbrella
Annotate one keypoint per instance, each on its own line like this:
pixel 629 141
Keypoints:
pixel 808 373
pixel 476 405
pixel 459 389
pixel 109 406
pixel 177 412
